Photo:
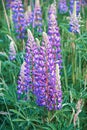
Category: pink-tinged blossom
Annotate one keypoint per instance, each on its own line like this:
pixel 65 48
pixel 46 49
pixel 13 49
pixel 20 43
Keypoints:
pixel 12 51
pixel 52 10
pixel 29 16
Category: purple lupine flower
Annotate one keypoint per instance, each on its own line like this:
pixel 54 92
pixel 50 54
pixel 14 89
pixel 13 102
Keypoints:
pixel 29 16
pixel 62 6
pixel 21 88
pixel 28 61
pixel 12 51
pixel 18 18
pixel 74 24
pixel 28 68
pixel 47 89
pixel 40 74
pixel 78 6
pixel 53 86
pixel 37 20
pixel 54 37
pixel 74 21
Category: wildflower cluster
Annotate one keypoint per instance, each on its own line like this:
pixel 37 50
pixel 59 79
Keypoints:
pixel 41 67
pixel 40 71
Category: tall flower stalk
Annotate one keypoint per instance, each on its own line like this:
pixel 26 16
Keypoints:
pixel 28 65
pixel 54 36
pixel 47 81
pixel 37 20
pixel 18 18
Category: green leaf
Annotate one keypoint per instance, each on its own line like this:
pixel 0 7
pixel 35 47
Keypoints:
pixel 18 113
pixel 18 120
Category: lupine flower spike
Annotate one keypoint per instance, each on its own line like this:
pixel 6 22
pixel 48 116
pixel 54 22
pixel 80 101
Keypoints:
pixel 52 9
pixel 37 20
pixel 25 80
pixel 29 16
pixel 47 90
pixel 78 6
pixel 74 21
pixel 21 88
pixel 18 18
pixel 53 84
pixel 12 51
pixel 54 36
pixel 62 6
pixel 30 55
